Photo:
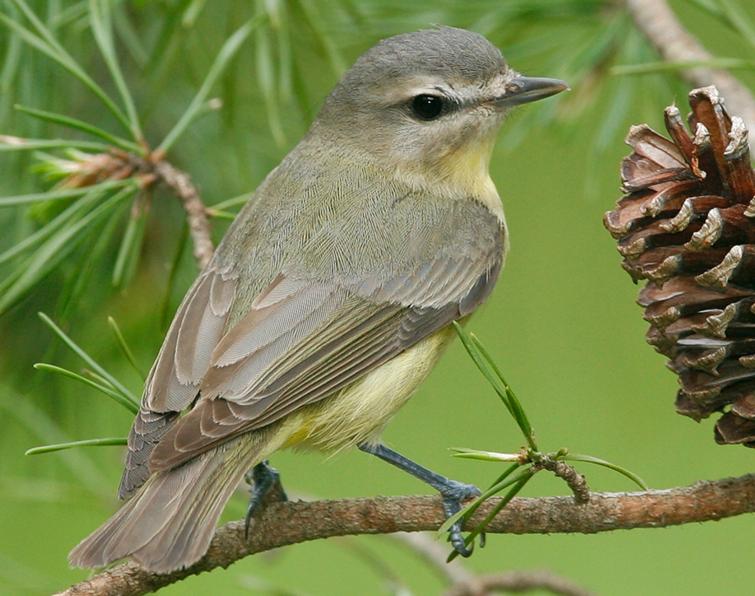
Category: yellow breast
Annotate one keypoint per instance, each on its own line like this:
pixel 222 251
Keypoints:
pixel 359 412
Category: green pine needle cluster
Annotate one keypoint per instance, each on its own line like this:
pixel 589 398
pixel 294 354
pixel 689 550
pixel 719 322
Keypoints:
pixel 88 188
pixel 523 465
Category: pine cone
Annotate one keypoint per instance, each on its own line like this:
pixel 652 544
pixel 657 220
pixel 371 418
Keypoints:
pixel 686 225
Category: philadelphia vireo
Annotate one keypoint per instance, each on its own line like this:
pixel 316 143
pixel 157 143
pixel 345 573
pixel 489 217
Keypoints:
pixel 331 296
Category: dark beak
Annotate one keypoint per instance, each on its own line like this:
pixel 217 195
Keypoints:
pixel 526 89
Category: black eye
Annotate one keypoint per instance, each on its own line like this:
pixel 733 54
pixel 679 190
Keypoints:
pixel 427 107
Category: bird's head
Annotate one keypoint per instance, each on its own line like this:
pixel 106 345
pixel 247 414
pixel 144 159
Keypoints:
pixel 428 103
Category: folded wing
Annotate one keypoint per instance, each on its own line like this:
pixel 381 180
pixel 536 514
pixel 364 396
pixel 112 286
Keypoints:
pixel 303 340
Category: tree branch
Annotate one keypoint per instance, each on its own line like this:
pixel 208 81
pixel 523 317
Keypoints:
pixel 282 524
pixel 658 23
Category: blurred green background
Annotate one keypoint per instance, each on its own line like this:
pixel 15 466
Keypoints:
pixel 562 323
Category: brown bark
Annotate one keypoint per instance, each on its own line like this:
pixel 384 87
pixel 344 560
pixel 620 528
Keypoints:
pixel 282 524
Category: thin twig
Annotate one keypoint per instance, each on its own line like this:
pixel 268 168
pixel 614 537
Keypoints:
pixel 435 553
pixel 196 214
pixel 517 581
pixel 576 481
pixel 282 524
pixel 463 582
pixel 656 20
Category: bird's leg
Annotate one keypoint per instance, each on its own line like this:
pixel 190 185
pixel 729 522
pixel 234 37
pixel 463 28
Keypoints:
pixel 262 479
pixel 452 492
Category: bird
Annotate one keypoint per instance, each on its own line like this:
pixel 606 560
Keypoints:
pixel 330 298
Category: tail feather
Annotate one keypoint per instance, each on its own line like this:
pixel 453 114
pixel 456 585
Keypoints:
pixel 186 540
pixel 169 523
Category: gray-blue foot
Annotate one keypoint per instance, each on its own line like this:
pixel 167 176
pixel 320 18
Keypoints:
pixel 263 480
pixel 452 492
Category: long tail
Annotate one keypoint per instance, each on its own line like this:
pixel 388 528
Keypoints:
pixel 169 522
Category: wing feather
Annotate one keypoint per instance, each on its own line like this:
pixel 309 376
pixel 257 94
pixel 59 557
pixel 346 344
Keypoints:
pixel 185 356
pixel 198 334
pixel 270 318
pixel 173 383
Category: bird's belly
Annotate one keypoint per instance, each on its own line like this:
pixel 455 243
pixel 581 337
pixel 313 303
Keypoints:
pixel 359 412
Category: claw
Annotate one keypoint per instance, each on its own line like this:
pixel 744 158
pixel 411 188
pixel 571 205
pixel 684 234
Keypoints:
pixel 262 479
pixel 456 538
pixel 457 542
pixel 453 495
